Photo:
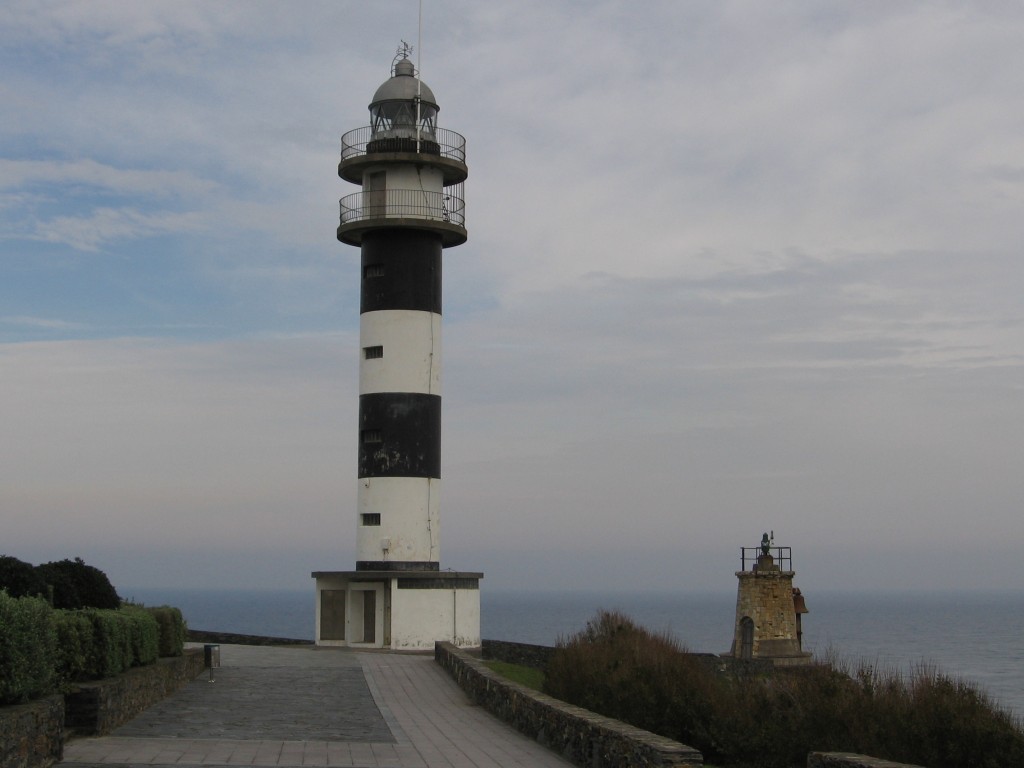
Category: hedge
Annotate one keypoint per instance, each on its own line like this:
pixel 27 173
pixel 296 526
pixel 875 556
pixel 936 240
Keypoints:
pixel 43 650
pixel 74 647
pixel 28 642
pixel 172 629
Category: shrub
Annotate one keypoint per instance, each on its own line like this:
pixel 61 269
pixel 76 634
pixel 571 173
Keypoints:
pixel 20 579
pixel 75 647
pixel 144 633
pixel 101 643
pixel 173 630
pixel 743 720
pixel 27 646
pixel 623 671
pixel 77 585
pixel 112 646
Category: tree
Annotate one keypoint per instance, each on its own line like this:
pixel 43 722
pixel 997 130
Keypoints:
pixel 19 578
pixel 77 585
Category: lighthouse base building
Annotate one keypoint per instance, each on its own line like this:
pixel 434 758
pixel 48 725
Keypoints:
pixel 407 610
pixel 408 210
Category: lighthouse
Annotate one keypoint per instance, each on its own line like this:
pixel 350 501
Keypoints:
pixel 408 209
pixel 768 607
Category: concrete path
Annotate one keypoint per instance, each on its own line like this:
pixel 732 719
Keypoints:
pixel 315 707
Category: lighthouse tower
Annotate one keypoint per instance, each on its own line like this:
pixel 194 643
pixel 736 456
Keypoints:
pixel 409 208
pixel 768 607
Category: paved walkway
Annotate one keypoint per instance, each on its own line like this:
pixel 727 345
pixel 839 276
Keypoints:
pixel 315 707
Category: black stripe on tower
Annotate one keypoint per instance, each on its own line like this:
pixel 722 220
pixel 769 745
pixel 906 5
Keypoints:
pixel 398 565
pixel 401 270
pixel 399 435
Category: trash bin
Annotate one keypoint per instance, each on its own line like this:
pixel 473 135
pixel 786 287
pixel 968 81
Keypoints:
pixel 211 656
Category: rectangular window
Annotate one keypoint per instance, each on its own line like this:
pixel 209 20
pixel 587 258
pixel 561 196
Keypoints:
pixel 373 270
pixel 371 518
pixel 373 353
pixel 372 436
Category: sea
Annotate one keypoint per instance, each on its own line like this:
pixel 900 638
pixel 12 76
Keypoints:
pixel 975 636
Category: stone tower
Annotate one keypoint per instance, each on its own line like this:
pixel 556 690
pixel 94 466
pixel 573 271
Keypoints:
pixel 409 208
pixel 768 608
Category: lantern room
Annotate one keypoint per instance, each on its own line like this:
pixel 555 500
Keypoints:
pixel 403 107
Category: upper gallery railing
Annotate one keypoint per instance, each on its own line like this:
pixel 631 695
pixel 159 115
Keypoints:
pixel 783 556
pixel 440 141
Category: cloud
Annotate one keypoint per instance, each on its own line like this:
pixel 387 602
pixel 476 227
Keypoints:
pixel 106 225
pixel 46 323
pixel 120 181
pixel 731 266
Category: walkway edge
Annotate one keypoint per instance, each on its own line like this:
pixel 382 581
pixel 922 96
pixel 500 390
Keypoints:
pixel 582 737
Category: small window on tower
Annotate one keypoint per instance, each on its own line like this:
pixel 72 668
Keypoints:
pixel 371 518
pixel 373 353
pixel 373 270
pixel 372 436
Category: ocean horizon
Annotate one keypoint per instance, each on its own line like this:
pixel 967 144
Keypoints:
pixel 976 636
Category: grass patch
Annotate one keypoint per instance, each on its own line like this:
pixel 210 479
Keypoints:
pixel 517 673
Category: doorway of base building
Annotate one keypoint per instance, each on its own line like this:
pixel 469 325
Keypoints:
pixel 366 615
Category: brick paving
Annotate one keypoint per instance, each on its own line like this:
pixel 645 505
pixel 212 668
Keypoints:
pixel 315 707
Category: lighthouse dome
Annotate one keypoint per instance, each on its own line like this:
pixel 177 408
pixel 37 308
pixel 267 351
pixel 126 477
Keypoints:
pixel 403 86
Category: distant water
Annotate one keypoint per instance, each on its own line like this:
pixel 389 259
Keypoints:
pixel 976 636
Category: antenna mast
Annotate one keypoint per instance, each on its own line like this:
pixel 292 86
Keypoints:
pixel 419 81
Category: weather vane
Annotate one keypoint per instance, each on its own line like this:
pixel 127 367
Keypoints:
pixel 403 52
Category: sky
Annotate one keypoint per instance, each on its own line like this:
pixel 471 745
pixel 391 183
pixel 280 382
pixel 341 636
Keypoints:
pixel 732 267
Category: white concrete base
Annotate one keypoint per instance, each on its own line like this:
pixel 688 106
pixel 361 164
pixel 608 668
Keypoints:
pixel 400 610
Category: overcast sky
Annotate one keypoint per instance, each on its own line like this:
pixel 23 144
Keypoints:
pixel 732 267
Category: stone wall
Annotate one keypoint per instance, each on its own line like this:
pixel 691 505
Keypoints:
pixel 766 597
pixel 231 638
pixel 848 760
pixel 524 654
pixel 32 735
pixel 582 737
pixel 96 708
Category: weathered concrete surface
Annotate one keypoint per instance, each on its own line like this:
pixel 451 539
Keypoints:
pixel 325 707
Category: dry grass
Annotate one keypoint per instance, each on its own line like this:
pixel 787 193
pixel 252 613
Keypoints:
pixel 741 720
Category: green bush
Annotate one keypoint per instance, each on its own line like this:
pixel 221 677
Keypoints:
pixel 75 647
pixel 173 630
pixel 145 635
pixel 772 720
pixel 43 649
pixel 27 647
pixel 110 653
pixel 92 644
pixel 121 639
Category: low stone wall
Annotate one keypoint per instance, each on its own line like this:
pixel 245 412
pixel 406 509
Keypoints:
pixel 524 654
pixel 96 708
pixel 582 737
pixel 32 735
pixel 231 638
pixel 849 760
